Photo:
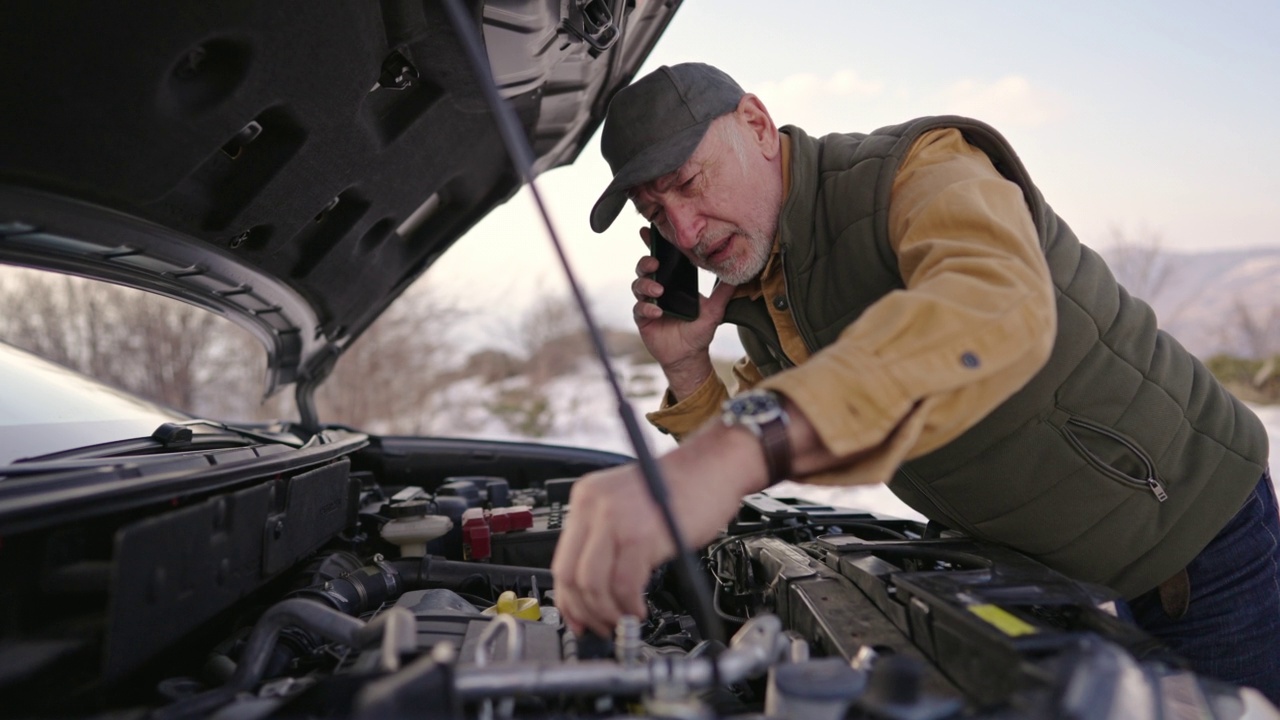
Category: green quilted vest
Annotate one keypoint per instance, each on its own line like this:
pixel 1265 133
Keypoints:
pixel 1116 464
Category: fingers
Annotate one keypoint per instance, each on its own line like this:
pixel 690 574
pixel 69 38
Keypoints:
pixel 645 288
pixel 647 265
pixel 630 575
pixel 564 569
pixel 584 558
pixel 595 596
pixel 606 551
pixel 643 312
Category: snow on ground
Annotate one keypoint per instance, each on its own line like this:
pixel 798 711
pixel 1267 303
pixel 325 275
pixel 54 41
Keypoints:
pixel 586 415
pixel 1270 416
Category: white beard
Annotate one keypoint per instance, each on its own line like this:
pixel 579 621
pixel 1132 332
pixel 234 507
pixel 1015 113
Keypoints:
pixel 746 265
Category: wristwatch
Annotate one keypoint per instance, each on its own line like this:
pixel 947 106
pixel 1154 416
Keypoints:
pixel 761 412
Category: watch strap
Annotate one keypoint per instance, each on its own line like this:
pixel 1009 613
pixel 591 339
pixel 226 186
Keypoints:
pixel 762 412
pixel 777 450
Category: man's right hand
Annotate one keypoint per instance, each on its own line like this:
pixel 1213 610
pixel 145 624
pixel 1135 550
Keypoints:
pixel 680 347
pixel 615 536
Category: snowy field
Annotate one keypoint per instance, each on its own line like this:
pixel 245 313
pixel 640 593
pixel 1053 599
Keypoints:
pixel 1270 415
pixel 586 416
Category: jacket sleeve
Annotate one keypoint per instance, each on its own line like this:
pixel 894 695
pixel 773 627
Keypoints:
pixel 678 419
pixel 975 322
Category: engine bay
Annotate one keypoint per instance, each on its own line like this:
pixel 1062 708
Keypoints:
pixel 336 591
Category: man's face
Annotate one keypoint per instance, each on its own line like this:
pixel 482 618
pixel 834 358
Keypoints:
pixel 718 208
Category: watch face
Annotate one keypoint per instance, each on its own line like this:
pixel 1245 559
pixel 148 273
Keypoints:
pixel 755 407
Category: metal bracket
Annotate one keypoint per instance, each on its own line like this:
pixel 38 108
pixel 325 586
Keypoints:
pixel 596 23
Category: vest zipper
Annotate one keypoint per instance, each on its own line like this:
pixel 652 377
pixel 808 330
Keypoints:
pixel 1150 482
pixel 801 323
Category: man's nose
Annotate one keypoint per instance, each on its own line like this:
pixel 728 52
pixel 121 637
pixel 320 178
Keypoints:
pixel 685 225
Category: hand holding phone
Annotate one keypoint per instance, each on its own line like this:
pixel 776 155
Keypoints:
pixel 677 276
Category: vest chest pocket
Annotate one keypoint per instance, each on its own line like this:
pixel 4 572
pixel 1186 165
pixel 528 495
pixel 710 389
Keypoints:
pixel 1111 453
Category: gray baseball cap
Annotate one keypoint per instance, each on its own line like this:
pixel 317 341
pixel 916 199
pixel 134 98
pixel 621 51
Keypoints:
pixel 654 125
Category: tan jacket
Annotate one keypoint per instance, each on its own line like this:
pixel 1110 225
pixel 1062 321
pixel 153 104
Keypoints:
pixel 968 252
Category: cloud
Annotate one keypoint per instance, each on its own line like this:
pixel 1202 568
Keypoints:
pixel 806 88
pixel 1008 101
pixel 808 99
pixel 846 100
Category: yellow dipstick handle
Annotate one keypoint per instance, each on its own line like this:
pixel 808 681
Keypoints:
pixel 509 604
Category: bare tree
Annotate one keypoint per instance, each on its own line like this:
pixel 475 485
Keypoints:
pixel 551 337
pixel 231 379
pixel 158 348
pixel 37 317
pixel 1140 262
pixel 391 379
pixel 397 377
pixel 544 342
pixel 1256 330
pixel 191 359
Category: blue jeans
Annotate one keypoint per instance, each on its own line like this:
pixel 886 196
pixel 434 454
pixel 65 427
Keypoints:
pixel 1231 630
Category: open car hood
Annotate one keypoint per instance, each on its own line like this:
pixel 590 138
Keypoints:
pixel 293 166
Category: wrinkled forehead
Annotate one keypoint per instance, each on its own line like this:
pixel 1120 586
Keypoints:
pixel 648 191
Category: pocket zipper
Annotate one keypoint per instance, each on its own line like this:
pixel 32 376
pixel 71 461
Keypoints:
pixel 1151 482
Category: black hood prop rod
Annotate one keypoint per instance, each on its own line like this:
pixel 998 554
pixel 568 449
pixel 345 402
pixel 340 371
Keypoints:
pixel 522 157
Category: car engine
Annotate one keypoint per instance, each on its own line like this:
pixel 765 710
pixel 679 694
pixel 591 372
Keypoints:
pixel 436 601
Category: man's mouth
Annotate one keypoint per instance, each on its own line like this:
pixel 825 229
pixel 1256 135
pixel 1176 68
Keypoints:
pixel 719 250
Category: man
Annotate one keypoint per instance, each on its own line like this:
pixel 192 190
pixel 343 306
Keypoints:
pixel 914 313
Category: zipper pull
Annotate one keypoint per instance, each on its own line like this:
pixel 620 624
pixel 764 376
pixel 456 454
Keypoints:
pixel 1157 488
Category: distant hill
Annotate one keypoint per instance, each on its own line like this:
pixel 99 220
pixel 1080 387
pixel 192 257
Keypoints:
pixel 1212 302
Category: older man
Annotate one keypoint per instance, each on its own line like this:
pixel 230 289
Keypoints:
pixel 914 313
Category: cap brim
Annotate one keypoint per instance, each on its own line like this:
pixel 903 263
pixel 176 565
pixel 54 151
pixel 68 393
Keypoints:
pixel 651 163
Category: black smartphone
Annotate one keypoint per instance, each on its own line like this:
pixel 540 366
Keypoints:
pixel 678 277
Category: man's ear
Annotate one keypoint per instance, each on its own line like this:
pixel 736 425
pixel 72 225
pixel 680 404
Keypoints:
pixel 751 111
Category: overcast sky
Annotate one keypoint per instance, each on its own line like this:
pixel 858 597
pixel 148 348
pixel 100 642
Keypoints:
pixel 1153 117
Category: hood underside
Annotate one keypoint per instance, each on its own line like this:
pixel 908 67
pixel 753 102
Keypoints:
pixel 293 166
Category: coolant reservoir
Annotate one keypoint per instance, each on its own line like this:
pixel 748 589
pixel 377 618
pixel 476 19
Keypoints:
pixel 412 528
